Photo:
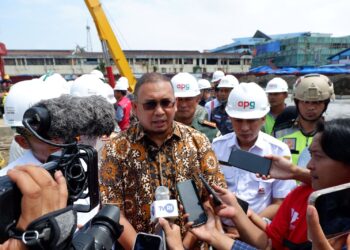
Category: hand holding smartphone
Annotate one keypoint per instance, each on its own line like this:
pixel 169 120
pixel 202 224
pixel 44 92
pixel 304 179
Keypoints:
pixel 191 202
pixel 249 162
pixel 333 207
pixel 147 242
pixel 216 198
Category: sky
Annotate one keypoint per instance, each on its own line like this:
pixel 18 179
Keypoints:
pixel 165 24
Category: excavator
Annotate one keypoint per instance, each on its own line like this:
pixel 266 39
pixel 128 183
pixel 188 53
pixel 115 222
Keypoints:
pixel 110 45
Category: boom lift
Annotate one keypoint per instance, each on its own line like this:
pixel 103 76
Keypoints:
pixel 110 45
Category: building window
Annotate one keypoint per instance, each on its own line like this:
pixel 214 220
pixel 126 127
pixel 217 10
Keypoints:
pixel 234 61
pixel 166 61
pixel 9 61
pixel 48 61
pixel 62 61
pixel 188 61
pixel 91 61
pixel 35 61
pixel 212 61
pixel 141 61
pixel 21 61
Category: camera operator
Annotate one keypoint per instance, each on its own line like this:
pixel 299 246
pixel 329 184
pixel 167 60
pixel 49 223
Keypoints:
pixel 42 194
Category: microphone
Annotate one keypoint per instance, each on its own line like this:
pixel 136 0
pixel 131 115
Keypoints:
pixel 67 117
pixel 163 207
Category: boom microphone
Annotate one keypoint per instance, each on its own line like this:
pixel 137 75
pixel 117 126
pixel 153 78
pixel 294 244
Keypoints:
pixel 67 117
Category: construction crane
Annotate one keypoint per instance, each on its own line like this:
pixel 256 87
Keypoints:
pixel 110 45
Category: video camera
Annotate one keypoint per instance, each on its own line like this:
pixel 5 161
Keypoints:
pixel 77 162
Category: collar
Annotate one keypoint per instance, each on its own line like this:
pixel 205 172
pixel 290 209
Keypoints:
pixel 259 143
pixel 140 132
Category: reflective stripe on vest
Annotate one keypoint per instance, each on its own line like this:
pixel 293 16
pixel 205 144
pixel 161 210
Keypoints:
pixel 269 123
pixel 296 142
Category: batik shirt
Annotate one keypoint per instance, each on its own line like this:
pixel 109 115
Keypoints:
pixel 133 167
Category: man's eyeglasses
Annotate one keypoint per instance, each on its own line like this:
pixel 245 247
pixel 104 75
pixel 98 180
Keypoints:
pixel 152 104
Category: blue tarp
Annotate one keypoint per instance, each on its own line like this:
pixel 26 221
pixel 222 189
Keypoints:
pixel 299 71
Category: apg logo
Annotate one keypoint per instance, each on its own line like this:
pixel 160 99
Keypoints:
pixel 169 208
pixel 183 86
pixel 246 104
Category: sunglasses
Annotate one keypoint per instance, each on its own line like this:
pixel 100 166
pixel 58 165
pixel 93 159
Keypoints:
pixel 152 104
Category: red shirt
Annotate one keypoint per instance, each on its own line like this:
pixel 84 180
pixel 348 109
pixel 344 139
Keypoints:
pixel 290 221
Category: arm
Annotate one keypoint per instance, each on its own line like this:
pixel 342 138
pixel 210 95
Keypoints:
pixel 283 169
pixel 271 210
pixel 249 232
pixel 119 114
pixel 41 194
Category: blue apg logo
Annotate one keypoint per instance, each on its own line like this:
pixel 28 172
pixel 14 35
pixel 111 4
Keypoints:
pixel 169 208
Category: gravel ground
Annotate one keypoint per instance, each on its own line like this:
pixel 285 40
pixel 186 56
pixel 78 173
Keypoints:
pixel 6 136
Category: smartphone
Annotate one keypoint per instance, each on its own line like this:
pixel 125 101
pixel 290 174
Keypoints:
pixel 147 242
pixel 216 199
pixel 333 207
pixel 191 202
pixel 249 162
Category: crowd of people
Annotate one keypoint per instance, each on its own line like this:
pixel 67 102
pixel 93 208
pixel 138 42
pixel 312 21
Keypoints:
pixel 171 130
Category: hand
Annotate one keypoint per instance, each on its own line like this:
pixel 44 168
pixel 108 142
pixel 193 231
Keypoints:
pixel 211 232
pixel 41 193
pixel 281 168
pixel 230 205
pixel 172 234
pixel 319 240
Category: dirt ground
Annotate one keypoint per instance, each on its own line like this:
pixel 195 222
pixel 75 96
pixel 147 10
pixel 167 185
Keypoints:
pixel 6 135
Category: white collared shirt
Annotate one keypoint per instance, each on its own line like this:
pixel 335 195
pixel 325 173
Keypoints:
pixel 257 192
pixel 26 158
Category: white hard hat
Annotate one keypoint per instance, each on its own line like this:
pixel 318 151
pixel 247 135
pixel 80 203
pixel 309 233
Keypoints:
pixel 217 75
pixel 276 85
pixel 86 85
pixel 204 84
pixel 247 101
pixel 185 85
pixel 22 96
pixel 122 84
pixel 108 93
pixel 98 73
pixel 228 81
pixel 57 82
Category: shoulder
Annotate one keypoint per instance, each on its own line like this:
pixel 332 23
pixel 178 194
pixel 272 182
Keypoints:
pixel 273 141
pixel 224 138
pixel 207 123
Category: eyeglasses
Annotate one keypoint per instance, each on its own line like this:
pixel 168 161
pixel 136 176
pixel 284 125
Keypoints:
pixel 152 104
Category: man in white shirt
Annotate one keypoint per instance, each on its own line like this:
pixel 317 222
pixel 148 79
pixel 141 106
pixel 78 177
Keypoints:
pixel 247 107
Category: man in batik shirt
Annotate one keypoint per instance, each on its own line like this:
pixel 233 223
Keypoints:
pixel 156 151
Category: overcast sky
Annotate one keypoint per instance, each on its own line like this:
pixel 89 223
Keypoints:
pixel 165 24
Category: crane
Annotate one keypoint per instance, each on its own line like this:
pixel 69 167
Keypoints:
pixel 110 45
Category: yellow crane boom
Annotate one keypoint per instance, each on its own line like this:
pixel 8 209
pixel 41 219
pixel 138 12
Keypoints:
pixel 109 39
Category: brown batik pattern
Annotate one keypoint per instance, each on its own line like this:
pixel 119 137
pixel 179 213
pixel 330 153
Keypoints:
pixel 133 167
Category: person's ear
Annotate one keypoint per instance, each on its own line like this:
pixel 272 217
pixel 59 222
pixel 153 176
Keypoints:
pixel 22 141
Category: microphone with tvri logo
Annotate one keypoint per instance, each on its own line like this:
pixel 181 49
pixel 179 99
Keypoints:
pixel 163 207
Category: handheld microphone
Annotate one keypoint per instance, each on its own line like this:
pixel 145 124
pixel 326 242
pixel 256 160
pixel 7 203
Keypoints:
pixel 163 207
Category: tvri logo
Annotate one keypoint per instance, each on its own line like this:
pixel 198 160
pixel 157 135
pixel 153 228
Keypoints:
pixel 246 104
pixel 183 86
pixel 169 208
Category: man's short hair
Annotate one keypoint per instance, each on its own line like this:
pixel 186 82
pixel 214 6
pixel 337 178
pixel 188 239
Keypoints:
pixel 150 78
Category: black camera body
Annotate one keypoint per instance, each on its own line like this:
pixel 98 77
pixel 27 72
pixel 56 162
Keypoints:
pixel 79 166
